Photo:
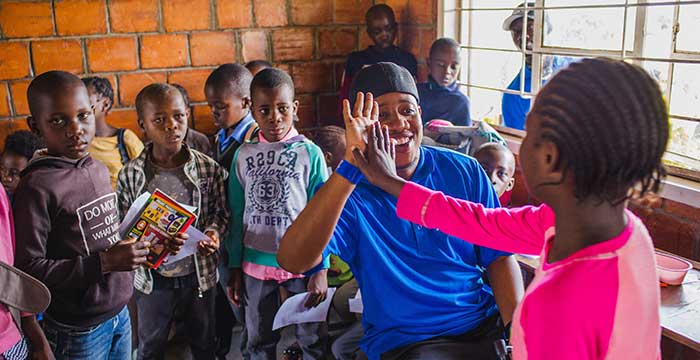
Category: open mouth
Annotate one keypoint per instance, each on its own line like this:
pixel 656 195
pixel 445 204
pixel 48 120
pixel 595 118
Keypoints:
pixel 403 142
pixel 173 138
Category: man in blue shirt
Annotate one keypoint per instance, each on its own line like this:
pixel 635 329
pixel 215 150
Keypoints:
pixel 440 97
pixel 423 291
pixel 513 107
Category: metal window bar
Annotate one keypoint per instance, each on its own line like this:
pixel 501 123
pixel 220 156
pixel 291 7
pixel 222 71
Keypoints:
pixel 539 50
pixel 576 7
pixel 635 55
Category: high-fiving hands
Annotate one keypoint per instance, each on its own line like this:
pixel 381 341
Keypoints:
pixel 357 121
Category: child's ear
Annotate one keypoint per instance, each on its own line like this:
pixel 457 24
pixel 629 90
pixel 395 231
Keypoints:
pixel 140 122
pixel 105 106
pixel 551 161
pixel 247 103
pixel 328 157
pixel 33 125
pixel 511 184
pixel 295 106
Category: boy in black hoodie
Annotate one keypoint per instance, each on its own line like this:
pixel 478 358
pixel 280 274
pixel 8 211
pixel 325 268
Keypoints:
pixel 67 227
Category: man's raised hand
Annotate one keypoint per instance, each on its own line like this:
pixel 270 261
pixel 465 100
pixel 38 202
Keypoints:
pixel 357 121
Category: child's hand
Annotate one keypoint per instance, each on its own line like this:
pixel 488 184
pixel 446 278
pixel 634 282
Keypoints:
pixel 42 354
pixel 175 243
pixel 234 287
pixel 39 346
pixel 317 287
pixel 379 166
pixel 208 247
pixel 357 122
pixel 124 256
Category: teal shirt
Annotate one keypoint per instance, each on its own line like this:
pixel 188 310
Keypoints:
pixel 269 185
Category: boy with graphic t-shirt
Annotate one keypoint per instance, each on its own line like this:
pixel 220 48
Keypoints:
pixel 272 179
pixel 66 227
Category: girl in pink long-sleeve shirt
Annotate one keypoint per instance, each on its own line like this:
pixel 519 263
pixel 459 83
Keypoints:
pixel 597 131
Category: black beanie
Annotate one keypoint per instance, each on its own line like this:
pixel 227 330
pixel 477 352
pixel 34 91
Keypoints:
pixel 382 78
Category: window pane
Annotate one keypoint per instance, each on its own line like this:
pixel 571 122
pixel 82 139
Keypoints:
pixel 659 71
pixel 685 91
pixel 450 25
pixel 689 20
pixel 491 68
pixel 684 147
pixel 589 28
pixel 658 33
pixel 485 104
pixel 551 64
pixel 494 4
pixel 487 30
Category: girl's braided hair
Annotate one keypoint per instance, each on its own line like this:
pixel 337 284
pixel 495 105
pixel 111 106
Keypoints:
pixel 610 123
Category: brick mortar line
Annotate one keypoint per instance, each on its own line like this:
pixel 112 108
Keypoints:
pixel 138 52
pixel 108 16
pixel 83 48
pixel 128 72
pixel 10 99
pixel 179 32
pixel 53 17
pixel 213 17
pixel 30 53
pixel 189 49
pixel 324 26
pixel 159 8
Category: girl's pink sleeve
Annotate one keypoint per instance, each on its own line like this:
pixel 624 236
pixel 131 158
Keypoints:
pixel 520 230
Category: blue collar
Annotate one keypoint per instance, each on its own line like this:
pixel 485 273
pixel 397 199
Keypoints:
pixel 426 166
pixel 238 132
pixel 433 85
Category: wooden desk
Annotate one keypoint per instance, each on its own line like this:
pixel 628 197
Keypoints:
pixel 680 306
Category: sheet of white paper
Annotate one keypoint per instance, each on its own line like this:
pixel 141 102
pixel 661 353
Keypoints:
pixel 293 311
pixel 356 303
pixel 190 245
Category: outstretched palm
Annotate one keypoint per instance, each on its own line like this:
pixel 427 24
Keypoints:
pixel 357 121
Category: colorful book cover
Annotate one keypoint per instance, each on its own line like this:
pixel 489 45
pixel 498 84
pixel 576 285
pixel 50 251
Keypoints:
pixel 160 218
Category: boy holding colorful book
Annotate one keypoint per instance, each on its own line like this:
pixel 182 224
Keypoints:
pixel 192 179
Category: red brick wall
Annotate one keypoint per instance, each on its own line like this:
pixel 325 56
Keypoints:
pixel 674 227
pixel 136 42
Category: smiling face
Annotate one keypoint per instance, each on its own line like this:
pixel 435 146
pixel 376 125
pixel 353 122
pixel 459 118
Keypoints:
pixel 64 120
pixel 274 110
pixel 401 114
pixel 516 32
pixel 382 31
pixel 444 65
pixel 163 118
pixel 227 108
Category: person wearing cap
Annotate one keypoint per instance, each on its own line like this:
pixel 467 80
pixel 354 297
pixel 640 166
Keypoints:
pixel 420 300
pixel 514 107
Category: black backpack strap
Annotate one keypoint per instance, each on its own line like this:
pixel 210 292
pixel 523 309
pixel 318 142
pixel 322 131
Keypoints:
pixel 121 146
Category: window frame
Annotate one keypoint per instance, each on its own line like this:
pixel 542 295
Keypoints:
pixel 635 55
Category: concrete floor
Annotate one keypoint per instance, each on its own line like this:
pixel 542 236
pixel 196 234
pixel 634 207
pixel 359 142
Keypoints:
pixel 182 351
